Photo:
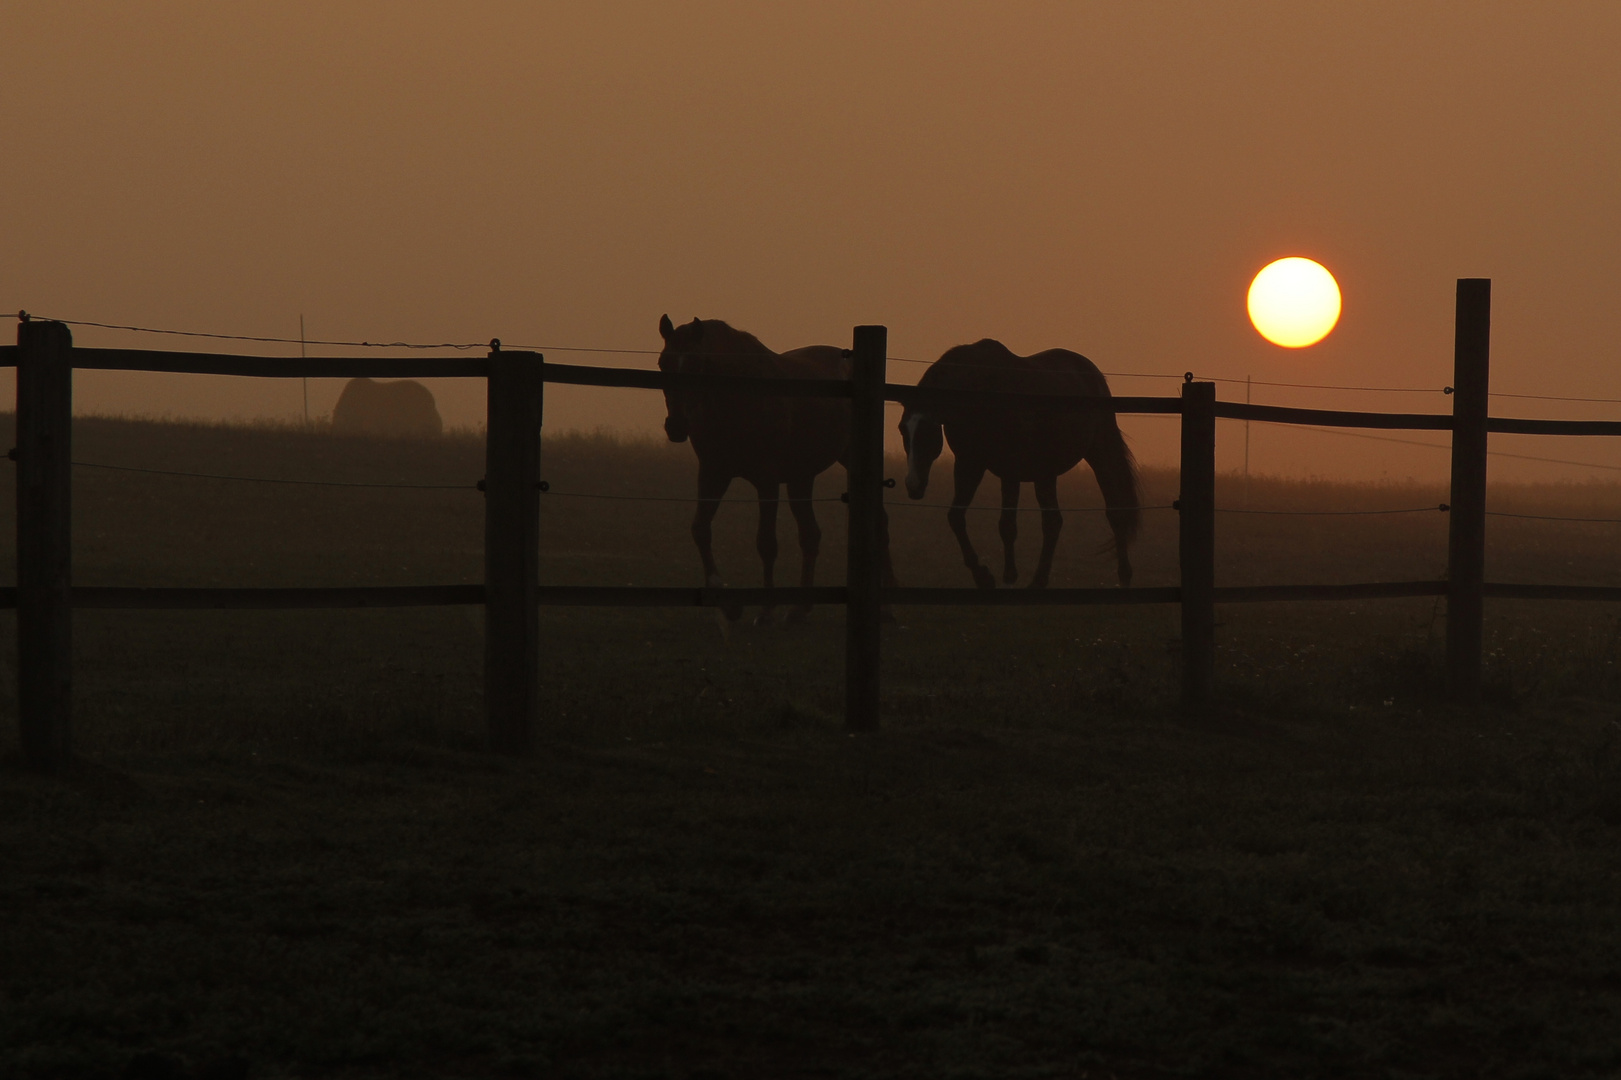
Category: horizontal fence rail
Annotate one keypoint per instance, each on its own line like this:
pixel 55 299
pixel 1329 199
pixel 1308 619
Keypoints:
pixel 274 367
pixel 273 599
pixel 646 379
pixel 1277 414
pixel 949 597
pixel 1503 425
pixel 919 396
pixel 512 593
pixel 678 596
pixel 1373 590
pixel 344 367
pixel 125 598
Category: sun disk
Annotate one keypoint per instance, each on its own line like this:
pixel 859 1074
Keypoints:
pixel 1294 302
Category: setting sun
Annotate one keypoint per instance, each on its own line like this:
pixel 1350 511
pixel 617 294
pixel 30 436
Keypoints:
pixel 1294 302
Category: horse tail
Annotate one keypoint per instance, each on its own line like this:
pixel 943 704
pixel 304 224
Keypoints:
pixel 1116 470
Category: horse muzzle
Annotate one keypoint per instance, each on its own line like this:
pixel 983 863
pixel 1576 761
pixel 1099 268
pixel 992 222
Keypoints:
pixel 675 428
pixel 916 485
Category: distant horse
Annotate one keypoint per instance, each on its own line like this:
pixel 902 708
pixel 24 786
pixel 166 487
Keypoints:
pixel 1018 443
pixel 401 408
pixel 768 441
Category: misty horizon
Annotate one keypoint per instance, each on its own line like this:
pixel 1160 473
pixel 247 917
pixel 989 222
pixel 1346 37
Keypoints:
pixel 1101 179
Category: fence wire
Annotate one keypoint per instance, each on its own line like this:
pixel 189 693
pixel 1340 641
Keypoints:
pixel 1551 517
pixel 907 503
pixel 462 346
pixel 1442 508
pixel 272 479
pixel 25 316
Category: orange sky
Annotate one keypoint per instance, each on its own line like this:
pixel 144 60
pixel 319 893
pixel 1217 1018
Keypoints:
pixel 1105 177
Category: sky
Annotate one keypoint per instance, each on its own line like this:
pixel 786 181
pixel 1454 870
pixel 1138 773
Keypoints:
pixel 1103 177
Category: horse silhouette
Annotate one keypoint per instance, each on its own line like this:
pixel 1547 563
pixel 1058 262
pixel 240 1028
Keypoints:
pixel 397 409
pixel 768 441
pixel 1019 443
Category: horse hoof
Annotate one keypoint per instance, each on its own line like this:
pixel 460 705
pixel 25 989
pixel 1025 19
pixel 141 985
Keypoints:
pixel 983 578
pixel 1037 583
pixel 1009 576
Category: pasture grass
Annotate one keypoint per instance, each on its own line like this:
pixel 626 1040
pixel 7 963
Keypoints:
pixel 284 850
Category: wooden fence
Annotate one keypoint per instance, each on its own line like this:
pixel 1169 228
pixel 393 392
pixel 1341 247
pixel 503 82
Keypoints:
pixel 512 593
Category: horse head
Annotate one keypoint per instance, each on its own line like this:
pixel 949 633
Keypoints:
pixel 680 346
pixel 924 438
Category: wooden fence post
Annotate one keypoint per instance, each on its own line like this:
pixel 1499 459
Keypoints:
pixel 44 549
pixel 864 576
pixel 512 549
pixel 1466 531
pixel 1197 546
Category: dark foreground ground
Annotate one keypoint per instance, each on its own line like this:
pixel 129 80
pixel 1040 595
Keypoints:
pixel 285 853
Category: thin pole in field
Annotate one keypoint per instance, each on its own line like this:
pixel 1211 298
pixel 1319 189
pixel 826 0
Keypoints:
pixel 301 355
pixel 1247 379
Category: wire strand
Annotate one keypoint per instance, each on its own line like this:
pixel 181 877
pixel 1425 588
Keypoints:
pixel 1552 397
pixel 1238 382
pixel 1549 517
pixel 585 349
pixel 672 498
pixel 271 340
pixel 272 479
pixel 655 352
pixel 1019 509
pixel 1443 508
pixel 822 499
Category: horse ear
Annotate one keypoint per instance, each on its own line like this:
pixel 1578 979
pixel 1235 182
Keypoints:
pixel 697 327
pixel 666 327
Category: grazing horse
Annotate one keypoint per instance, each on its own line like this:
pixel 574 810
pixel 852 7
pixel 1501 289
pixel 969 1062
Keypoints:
pixel 768 441
pixel 1018 443
pixel 401 408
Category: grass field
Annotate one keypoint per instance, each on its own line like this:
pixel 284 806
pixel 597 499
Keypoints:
pixel 284 850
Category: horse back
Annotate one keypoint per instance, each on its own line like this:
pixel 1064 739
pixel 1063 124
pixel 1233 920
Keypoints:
pixel 1013 440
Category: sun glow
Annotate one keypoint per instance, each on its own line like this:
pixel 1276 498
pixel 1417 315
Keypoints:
pixel 1294 302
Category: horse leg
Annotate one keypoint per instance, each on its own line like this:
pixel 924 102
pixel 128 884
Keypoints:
pixel 765 542
pixel 810 539
pixel 966 480
pixel 1008 526
pixel 711 487
pixel 1122 559
pixel 1052 523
